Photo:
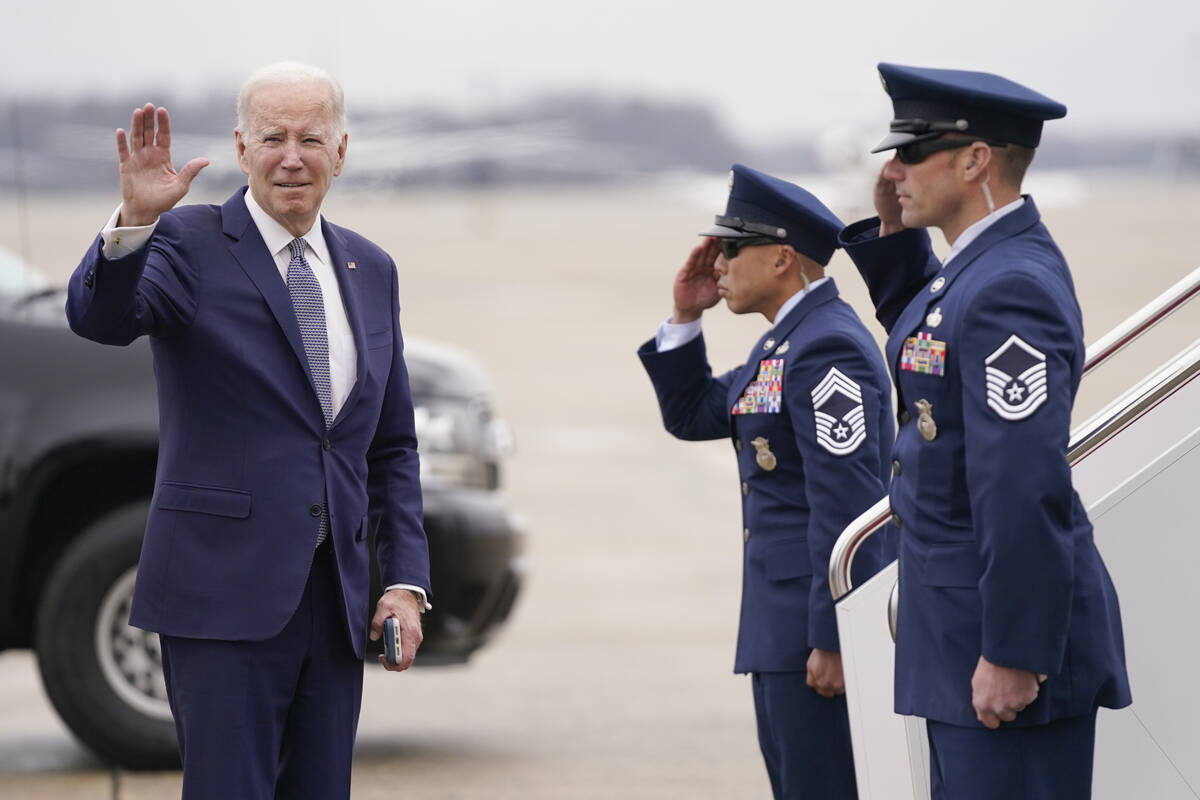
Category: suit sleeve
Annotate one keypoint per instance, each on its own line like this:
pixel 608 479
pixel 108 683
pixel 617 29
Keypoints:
pixel 692 401
pixel 395 510
pixel 894 267
pixel 152 290
pixel 835 408
pixel 1016 361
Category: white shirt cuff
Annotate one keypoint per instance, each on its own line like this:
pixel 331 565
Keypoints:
pixel 424 598
pixel 671 336
pixel 120 242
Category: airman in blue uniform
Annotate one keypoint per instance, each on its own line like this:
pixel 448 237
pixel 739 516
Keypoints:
pixel 1009 635
pixel 809 416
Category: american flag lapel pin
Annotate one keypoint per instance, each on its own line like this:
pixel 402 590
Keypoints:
pixel 351 265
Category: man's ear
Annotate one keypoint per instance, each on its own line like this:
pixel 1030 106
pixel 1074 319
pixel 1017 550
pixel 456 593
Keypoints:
pixel 239 145
pixel 978 157
pixel 786 256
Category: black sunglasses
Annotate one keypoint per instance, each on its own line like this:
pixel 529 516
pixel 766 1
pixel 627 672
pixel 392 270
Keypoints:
pixel 731 247
pixel 916 152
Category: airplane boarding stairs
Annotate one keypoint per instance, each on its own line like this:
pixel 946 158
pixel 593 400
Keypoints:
pixel 1136 466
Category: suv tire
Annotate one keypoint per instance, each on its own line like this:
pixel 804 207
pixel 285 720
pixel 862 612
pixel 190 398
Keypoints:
pixel 104 677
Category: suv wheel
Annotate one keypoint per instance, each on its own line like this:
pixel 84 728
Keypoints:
pixel 103 676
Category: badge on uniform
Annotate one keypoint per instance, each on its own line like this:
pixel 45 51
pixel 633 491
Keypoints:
pixel 762 453
pixel 764 395
pixel 1016 379
pixel 923 354
pixel 925 423
pixel 838 410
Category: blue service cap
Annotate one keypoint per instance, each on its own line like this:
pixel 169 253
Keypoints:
pixel 930 102
pixel 763 205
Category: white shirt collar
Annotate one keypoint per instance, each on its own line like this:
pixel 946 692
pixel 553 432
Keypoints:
pixel 971 233
pixel 277 237
pixel 795 299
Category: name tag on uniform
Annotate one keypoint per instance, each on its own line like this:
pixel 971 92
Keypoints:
pixel 924 354
pixel 764 395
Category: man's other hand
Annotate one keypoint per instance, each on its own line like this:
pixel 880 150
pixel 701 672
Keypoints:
pixel 825 673
pixel 405 607
pixel 149 183
pixel 696 284
pixel 1000 693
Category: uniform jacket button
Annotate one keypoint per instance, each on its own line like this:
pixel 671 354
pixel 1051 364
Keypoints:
pixel 315 509
pixel 89 279
pixel 895 467
pixel 745 488
pixel 896 520
pixel 745 534
pixel 326 445
pixel 737 445
pixel 904 416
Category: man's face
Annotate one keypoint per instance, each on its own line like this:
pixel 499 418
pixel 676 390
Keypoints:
pixel 930 193
pixel 291 152
pixel 746 281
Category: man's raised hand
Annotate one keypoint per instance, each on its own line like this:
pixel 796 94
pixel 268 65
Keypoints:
pixel 149 183
pixel 887 205
pixel 696 284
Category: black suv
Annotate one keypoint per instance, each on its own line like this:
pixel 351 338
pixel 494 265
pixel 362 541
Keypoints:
pixel 78 442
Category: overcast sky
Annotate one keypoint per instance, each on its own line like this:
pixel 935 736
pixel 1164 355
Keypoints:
pixel 770 69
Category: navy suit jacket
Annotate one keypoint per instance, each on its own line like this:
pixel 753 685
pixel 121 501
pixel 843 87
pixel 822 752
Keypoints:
pixel 996 551
pixel 244 458
pixel 793 513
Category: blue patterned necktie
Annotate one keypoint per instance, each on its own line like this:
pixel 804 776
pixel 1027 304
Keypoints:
pixel 309 305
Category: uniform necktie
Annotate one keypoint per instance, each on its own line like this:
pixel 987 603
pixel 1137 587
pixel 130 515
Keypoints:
pixel 309 305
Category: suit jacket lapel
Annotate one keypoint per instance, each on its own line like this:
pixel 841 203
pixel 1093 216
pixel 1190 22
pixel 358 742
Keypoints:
pixel 251 253
pixel 348 283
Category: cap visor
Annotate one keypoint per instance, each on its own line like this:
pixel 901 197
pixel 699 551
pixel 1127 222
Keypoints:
pixel 722 232
pixel 894 140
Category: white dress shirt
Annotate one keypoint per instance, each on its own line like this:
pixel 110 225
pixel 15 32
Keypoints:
pixel 972 231
pixel 343 366
pixel 671 335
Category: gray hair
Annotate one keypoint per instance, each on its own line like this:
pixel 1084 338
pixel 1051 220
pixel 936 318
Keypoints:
pixel 291 72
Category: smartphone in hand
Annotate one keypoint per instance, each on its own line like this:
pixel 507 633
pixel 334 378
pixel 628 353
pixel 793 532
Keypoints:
pixel 391 640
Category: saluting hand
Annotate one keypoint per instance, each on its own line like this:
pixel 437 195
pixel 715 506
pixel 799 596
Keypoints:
pixel 1000 693
pixel 887 205
pixel 696 283
pixel 149 183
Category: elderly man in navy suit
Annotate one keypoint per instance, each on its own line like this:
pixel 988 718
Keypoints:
pixel 809 416
pixel 1009 635
pixel 286 440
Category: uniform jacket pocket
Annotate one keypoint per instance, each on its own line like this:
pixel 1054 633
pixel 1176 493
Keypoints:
pixel 204 499
pixel 788 559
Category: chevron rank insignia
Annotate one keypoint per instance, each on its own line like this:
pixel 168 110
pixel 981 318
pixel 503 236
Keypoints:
pixel 765 394
pixel 1016 379
pixel 924 354
pixel 838 409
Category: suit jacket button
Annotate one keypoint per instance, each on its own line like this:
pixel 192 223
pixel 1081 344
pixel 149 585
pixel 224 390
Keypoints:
pixel 737 445
pixel 745 534
pixel 315 509
pixel 896 520
pixel 89 279
pixel 904 416
pixel 895 466
pixel 326 445
pixel 745 488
